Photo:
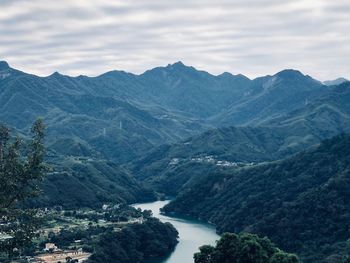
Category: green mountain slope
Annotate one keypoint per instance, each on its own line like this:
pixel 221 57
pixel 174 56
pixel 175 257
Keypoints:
pixel 85 182
pixel 169 167
pixel 89 111
pixel 134 112
pixel 270 97
pixel 330 113
pixel 197 93
pixel 121 117
pixel 300 203
pixel 275 139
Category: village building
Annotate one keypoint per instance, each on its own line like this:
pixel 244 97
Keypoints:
pixel 50 247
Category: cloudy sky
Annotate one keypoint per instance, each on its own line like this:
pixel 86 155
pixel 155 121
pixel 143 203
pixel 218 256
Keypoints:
pixel 252 37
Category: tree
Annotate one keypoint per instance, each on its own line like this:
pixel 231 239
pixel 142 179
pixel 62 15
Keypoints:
pixel 243 248
pixel 205 254
pixel 227 248
pixel 282 257
pixel 21 170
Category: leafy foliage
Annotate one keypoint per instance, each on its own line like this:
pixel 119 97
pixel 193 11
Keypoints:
pixel 20 171
pixel 243 248
pixel 135 243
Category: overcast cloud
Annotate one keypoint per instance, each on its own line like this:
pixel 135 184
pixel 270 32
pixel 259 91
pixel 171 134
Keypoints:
pixel 252 37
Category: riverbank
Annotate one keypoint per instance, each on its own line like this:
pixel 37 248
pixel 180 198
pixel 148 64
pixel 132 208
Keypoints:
pixel 192 233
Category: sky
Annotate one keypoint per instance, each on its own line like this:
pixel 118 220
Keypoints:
pixel 250 37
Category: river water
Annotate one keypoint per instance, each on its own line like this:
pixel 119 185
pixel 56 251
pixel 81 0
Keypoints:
pixel 192 234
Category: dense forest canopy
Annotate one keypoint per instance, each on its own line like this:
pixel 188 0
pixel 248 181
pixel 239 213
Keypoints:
pixel 300 203
pixel 136 243
pixel 243 248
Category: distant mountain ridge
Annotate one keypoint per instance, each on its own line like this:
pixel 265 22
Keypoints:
pixel 334 82
pixel 133 113
pixel 90 110
pixel 272 96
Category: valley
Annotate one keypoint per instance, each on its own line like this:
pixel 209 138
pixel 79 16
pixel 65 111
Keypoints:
pixel 174 131
pixel 267 156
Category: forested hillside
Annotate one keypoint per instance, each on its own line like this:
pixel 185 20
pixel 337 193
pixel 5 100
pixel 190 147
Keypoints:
pixel 326 116
pixel 233 248
pixel 270 97
pixel 135 243
pixel 300 203
pixel 84 111
pixel 169 167
pixel 84 182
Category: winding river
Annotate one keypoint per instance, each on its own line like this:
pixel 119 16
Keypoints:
pixel 192 234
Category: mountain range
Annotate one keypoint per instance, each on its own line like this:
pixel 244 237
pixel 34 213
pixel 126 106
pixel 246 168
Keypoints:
pixel 170 114
pixel 133 113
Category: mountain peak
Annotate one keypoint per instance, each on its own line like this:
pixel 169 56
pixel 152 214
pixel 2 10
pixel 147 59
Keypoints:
pixel 4 65
pixel 178 64
pixel 337 81
pixel 288 73
pixel 230 76
pixel 116 73
pixel 56 74
pixel 226 74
